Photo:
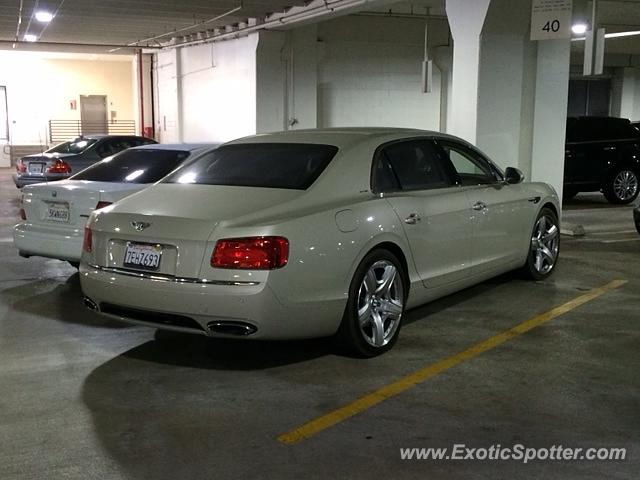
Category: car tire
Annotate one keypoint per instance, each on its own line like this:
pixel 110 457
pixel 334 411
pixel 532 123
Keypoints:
pixel 544 247
pixel 377 298
pixel 622 187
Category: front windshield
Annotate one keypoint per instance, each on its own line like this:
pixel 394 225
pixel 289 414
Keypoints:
pixel 76 146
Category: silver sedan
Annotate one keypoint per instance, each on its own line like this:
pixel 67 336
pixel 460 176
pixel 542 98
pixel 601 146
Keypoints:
pixel 316 233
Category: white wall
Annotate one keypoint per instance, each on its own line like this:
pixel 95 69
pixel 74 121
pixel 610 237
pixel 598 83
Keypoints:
pixel 369 73
pixel 40 88
pixel 207 93
pixel 630 94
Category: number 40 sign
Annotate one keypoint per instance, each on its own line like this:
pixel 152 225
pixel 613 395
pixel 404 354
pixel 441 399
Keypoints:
pixel 550 19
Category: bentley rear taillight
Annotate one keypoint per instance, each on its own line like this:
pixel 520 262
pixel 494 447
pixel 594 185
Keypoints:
pixel 21 167
pixel 251 253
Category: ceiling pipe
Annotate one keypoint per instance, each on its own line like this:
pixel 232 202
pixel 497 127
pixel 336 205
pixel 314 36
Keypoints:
pixel 72 47
pixel 183 29
pixel 19 23
pixel 283 20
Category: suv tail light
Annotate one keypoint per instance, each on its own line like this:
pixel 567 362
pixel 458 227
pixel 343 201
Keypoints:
pixel 102 205
pixel 252 253
pixel 59 166
pixel 88 240
pixel 21 167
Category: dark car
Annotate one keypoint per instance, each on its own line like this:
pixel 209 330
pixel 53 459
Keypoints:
pixel 602 154
pixel 70 157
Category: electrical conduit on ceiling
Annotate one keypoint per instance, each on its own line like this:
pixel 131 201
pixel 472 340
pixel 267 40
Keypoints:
pixel 304 14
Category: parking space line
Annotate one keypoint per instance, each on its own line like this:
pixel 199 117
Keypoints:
pixel 366 402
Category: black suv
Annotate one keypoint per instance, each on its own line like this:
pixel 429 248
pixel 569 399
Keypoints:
pixel 602 154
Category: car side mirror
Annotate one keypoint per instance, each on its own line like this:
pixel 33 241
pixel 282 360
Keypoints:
pixel 513 176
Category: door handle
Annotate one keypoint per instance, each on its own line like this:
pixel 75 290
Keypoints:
pixel 412 219
pixel 478 206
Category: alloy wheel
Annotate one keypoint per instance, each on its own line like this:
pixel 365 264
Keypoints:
pixel 380 303
pixel 625 185
pixel 544 244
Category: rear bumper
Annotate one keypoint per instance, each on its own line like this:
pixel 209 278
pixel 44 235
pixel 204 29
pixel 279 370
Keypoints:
pixel 63 244
pixel 198 306
pixel 23 180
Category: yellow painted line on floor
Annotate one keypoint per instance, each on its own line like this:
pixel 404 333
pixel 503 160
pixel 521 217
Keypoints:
pixel 364 403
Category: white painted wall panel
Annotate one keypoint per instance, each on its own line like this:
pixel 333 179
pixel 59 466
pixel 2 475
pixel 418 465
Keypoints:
pixel 369 74
pixel 207 93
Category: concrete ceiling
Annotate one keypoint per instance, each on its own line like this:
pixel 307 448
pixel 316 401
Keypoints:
pixel 125 22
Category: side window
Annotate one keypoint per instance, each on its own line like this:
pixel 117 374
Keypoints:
pixel 112 146
pixel 470 167
pixel 409 165
pixel 106 148
pixel 136 141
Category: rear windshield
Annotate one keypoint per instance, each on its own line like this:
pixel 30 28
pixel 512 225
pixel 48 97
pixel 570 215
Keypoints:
pixel 134 166
pixel 78 145
pixel 270 165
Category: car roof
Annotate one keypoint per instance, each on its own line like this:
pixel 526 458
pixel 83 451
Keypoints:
pixel 340 137
pixel 189 147
pixel 98 136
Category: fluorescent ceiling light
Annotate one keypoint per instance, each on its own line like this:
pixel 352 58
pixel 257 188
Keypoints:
pixel 44 17
pixel 28 37
pixel 622 34
pixel 579 28
pixel 611 35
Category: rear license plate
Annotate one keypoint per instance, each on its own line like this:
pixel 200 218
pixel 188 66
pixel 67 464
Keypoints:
pixel 58 212
pixel 36 167
pixel 144 256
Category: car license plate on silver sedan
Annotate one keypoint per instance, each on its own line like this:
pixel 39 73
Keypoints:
pixel 58 212
pixel 36 167
pixel 142 255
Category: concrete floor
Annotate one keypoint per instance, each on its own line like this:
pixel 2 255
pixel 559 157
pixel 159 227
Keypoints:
pixel 82 397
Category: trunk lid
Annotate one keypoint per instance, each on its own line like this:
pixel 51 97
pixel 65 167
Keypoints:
pixel 38 163
pixel 178 220
pixel 68 203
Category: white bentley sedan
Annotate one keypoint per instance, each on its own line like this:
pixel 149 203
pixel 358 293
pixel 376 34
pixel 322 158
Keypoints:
pixel 316 233
pixel 54 214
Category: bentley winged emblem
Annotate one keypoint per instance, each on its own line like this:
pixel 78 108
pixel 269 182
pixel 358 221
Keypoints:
pixel 139 226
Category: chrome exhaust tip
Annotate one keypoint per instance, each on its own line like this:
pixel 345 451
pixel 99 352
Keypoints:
pixel 90 304
pixel 238 329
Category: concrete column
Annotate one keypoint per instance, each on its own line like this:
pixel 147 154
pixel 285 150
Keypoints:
pixel 302 78
pixel 270 82
pixel 142 92
pixel 550 112
pixel 179 133
pixel 169 96
pixel 506 85
pixel 630 94
pixel 466 18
